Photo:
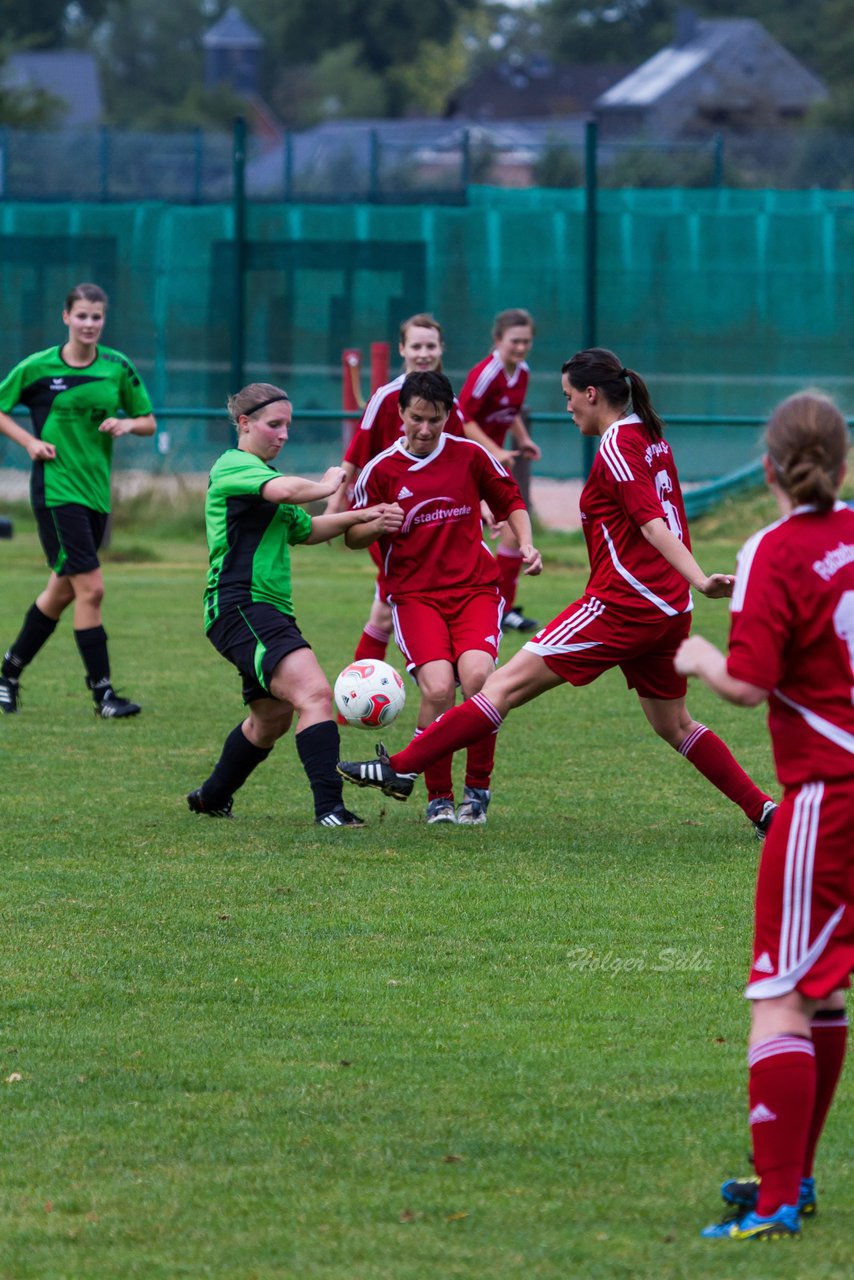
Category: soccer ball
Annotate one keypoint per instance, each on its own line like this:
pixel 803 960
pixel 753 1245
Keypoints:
pixel 369 694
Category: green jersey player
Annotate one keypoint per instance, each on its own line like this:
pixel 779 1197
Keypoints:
pixel 253 518
pixel 75 393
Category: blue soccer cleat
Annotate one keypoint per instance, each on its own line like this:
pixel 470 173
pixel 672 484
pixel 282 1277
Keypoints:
pixel 784 1224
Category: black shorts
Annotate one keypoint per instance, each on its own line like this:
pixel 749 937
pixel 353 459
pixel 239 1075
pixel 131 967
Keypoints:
pixel 255 638
pixel 71 535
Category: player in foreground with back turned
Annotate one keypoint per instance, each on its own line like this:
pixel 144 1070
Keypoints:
pixel 441 578
pixel 636 609
pixel 252 520
pixel 792 645
pixel 74 393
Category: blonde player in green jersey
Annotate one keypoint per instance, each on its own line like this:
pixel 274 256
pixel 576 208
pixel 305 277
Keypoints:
pixel 75 393
pixel 252 518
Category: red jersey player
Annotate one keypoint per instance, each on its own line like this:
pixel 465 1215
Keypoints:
pixel 421 349
pixel 441 578
pixel 792 644
pixel 635 611
pixel 492 400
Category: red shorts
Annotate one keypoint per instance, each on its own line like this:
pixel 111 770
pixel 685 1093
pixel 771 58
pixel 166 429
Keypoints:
pixel 587 639
pixel 804 919
pixel 431 628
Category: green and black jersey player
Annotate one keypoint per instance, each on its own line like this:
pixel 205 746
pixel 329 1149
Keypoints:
pixel 75 394
pixel 252 520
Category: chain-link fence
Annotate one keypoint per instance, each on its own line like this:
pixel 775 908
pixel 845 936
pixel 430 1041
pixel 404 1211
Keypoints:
pixel 404 162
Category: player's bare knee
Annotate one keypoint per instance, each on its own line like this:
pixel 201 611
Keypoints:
pixel 316 699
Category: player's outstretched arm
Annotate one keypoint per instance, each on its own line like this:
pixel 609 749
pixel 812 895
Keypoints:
pixel 370 522
pixel 39 450
pixel 698 657
pixel 295 489
pixel 338 501
pixel 714 585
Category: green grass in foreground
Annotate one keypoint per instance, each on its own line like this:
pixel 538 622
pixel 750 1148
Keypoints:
pixel 255 1049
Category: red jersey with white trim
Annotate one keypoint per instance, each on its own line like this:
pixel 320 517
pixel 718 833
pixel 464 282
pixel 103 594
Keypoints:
pixel 440 544
pixel 493 400
pixel 633 480
pixel 381 424
pixel 793 633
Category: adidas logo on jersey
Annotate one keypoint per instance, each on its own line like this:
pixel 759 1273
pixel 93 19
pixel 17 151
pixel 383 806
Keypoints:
pixel 761 1114
pixel 404 493
pixel 763 964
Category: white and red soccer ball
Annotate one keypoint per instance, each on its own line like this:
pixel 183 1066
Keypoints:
pixel 369 694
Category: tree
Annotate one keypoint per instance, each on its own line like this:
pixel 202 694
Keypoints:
pixel 48 23
pixel 384 37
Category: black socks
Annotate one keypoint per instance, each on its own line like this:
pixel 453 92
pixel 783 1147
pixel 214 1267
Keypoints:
pixel 36 631
pixel 238 759
pixel 318 747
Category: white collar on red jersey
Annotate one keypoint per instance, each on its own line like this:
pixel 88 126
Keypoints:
pixel 511 379
pixel 418 463
pixel 630 419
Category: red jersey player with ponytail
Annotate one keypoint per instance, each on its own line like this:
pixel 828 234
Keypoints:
pixel 636 609
pixel 792 645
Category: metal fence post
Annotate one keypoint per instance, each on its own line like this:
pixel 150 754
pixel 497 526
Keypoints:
pixel 591 176
pixel 718 171
pixel 104 161
pixel 238 307
pixel 374 166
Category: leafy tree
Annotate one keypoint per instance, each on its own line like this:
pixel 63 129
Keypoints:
pixel 385 37
pixel 151 56
pixel 336 86
pixel 48 22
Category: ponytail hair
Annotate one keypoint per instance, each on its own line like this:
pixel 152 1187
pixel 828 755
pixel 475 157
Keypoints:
pixel 807 443
pixel 598 367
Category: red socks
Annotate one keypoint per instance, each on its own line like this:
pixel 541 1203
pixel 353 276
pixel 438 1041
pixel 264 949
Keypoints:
pixel 509 568
pixel 829 1029
pixel 460 727
pixel 373 643
pixel 716 762
pixel 480 760
pixel 782 1098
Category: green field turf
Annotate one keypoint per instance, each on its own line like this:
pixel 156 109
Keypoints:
pixel 257 1049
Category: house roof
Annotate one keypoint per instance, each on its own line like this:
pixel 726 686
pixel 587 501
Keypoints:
pixel 534 88
pixel 68 74
pixel 232 31
pixel 666 69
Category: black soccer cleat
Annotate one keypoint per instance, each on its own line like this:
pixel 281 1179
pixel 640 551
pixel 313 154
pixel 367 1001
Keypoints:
pixel 197 805
pixel 10 693
pixel 108 704
pixel 743 1193
pixel 341 817
pixel 515 620
pixel 378 773
pixel 762 824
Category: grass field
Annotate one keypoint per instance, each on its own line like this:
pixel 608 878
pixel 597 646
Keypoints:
pixel 258 1049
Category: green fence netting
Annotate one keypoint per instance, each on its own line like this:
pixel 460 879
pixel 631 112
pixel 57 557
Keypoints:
pixel 725 300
